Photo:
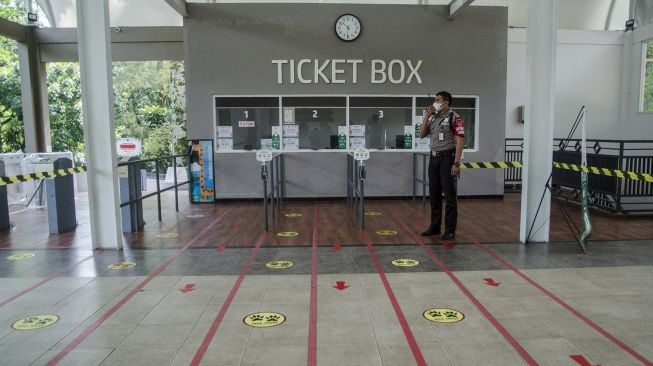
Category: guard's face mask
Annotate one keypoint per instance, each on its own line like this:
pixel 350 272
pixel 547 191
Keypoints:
pixel 437 106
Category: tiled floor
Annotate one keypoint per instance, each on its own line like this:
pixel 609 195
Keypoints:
pixel 523 305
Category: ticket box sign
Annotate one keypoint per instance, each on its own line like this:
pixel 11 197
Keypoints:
pixel 128 147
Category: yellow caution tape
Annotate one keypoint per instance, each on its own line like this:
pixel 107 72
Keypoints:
pixel 41 175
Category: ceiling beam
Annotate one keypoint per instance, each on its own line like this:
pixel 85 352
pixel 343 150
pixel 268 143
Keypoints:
pixel 456 6
pixel 179 6
pixel 13 30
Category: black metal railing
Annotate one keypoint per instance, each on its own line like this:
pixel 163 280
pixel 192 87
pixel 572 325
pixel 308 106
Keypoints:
pixel 609 193
pixel 356 187
pixel 274 186
pixel 421 181
pixel 133 170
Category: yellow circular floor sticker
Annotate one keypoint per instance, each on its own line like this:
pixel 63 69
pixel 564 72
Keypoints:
pixel 264 320
pixel 21 256
pixel 167 235
pixel 293 214
pixel 194 216
pixel 443 315
pixel 386 232
pixel 121 265
pixel 405 262
pixel 287 234
pixel 35 322
pixel 279 264
pixel 373 213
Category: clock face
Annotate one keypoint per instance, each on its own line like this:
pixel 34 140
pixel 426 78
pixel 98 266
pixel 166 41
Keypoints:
pixel 348 27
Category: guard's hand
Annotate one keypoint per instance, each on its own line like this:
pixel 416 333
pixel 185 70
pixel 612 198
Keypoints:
pixel 455 170
pixel 430 110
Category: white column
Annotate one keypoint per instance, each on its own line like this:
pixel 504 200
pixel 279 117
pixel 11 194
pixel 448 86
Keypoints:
pixel 538 129
pixel 99 124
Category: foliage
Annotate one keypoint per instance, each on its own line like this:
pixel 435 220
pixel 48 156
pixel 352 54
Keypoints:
pixel 648 79
pixel 11 113
pixel 64 97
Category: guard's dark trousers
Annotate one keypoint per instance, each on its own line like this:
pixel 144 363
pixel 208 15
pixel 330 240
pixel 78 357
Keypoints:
pixel 441 180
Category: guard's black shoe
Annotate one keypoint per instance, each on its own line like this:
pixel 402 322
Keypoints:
pixel 430 232
pixel 448 236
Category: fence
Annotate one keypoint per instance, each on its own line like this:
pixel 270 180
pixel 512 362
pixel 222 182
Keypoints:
pixel 609 193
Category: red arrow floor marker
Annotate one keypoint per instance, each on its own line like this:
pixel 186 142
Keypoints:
pixel 219 249
pixel 336 247
pixel 581 360
pixel 489 281
pixel 340 285
pixel 188 288
pixel 420 222
pixel 448 245
pixel 237 226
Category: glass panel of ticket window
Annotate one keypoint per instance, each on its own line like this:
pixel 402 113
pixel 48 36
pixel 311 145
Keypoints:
pixel 245 123
pixel 314 122
pixel 465 106
pixel 386 122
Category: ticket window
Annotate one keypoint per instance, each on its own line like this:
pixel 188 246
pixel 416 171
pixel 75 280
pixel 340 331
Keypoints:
pixel 465 106
pixel 387 122
pixel 245 123
pixel 314 122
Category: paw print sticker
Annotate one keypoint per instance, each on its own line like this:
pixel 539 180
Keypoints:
pixel 35 322
pixel 443 315
pixel 405 262
pixel 264 320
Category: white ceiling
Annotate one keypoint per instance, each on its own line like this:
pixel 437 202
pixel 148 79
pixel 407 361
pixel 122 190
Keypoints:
pixel 572 14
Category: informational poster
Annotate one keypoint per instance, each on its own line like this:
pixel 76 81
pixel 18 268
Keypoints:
pixel 276 137
pixel 356 142
pixel 225 132
pixel 290 131
pixel 408 137
pixel 128 146
pixel 266 144
pixel 225 144
pixel 289 116
pixel 290 143
pixel 202 176
pixel 357 130
pixel 342 137
pixel 420 144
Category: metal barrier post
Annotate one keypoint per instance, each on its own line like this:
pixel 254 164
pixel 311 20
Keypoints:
pixel 264 177
pixel 158 187
pixel 174 167
pixel 362 194
pixel 414 175
pixel 424 170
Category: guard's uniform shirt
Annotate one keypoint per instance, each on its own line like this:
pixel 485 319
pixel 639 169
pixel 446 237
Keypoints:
pixel 440 124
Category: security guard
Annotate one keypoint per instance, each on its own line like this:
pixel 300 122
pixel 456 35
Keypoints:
pixel 446 129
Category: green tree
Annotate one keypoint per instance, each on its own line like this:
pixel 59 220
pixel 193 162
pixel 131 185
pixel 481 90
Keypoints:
pixel 11 113
pixel 648 79
pixel 64 98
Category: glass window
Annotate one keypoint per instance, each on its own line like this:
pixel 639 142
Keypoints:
pixel 384 120
pixel 647 95
pixel 465 106
pixel 245 123
pixel 313 122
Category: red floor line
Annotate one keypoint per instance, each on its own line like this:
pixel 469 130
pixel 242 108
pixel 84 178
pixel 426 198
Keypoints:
pixel 414 347
pixel 504 332
pixel 91 328
pixel 199 354
pixel 562 303
pixel 312 325
pixel 46 280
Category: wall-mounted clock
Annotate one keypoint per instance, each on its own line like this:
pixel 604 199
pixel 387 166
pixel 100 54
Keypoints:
pixel 348 27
